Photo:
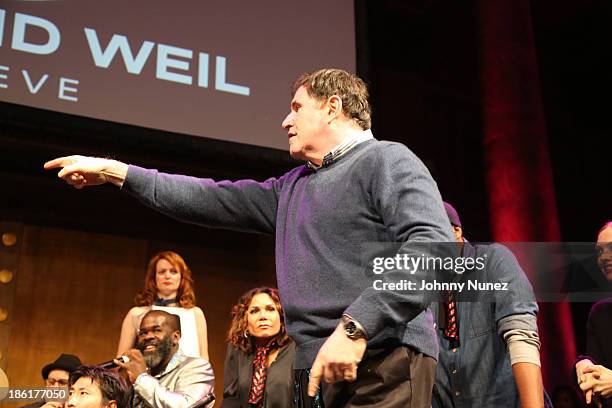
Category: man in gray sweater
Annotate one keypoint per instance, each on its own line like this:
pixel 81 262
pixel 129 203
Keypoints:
pixel 368 343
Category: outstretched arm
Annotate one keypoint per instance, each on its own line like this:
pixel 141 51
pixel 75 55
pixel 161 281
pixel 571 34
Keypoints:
pixel 83 171
pixel 244 205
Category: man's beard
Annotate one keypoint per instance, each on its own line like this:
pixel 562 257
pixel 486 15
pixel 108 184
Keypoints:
pixel 162 350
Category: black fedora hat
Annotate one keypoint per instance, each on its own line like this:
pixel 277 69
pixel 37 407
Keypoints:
pixel 66 362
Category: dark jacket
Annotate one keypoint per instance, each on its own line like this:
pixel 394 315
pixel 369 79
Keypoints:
pixel 239 371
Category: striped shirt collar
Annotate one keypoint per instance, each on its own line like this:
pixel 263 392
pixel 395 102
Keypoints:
pixel 351 141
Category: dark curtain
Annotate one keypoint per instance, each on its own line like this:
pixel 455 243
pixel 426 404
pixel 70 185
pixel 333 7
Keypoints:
pixel 518 169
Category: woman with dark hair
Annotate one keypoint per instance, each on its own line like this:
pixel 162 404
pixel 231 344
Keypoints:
pixel 259 359
pixel 169 287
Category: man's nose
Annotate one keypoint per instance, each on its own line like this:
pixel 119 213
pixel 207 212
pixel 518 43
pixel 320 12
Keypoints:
pixel 287 122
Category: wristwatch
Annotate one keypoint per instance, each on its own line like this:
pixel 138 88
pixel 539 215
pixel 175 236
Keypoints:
pixel 352 328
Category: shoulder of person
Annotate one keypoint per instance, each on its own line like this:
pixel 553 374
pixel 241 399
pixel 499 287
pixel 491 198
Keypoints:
pixel 196 362
pixel 391 156
pixel 602 310
pixel 231 348
pixel 496 249
pixel 386 148
pixel 289 347
pixel 499 256
pixel 139 310
pixel 234 352
pixel 196 310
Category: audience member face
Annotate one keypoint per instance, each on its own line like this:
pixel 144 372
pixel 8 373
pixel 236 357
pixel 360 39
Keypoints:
pixel 156 340
pixel 167 279
pixel 263 320
pixel 85 393
pixel 604 252
pixel 57 378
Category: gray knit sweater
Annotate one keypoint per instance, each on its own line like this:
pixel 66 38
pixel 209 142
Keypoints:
pixel 327 223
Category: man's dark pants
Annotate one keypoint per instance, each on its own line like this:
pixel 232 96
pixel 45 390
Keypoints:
pixel 386 378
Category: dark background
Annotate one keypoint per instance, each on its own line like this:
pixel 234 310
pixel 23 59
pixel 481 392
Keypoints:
pixel 422 59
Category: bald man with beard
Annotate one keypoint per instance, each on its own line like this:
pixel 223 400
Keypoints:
pixel 162 376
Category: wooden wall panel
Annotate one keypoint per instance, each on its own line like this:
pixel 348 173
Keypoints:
pixel 72 290
pixel 11 237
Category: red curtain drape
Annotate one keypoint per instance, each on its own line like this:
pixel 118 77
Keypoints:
pixel 518 168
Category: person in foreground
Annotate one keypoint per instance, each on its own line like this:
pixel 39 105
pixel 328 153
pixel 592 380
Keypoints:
pixel 489 344
pixel 162 376
pixel 593 371
pixel 352 191
pixel 259 359
pixel 169 287
pixel 95 387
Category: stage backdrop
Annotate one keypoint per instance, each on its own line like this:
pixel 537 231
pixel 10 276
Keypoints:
pixel 219 69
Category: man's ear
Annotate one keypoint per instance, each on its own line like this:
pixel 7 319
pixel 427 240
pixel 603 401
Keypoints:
pixel 111 404
pixel 176 336
pixel 458 231
pixel 334 106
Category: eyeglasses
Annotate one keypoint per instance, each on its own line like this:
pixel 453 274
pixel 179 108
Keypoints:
pixel 52 382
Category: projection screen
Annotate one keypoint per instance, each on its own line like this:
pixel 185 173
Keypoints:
pixel 210 68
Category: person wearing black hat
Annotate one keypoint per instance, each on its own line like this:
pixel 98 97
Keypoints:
pixel 57 374
pixel 489 345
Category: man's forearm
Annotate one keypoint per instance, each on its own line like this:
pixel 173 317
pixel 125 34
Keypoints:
pixel 528 379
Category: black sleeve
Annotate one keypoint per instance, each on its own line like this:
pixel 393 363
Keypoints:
pixel 595 334
pixel 231 396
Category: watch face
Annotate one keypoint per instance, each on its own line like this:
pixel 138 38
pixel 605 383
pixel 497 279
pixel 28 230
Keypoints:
pixel 350 328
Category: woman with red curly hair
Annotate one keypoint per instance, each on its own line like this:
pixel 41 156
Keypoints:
pixel 259 359
pixel 169 287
